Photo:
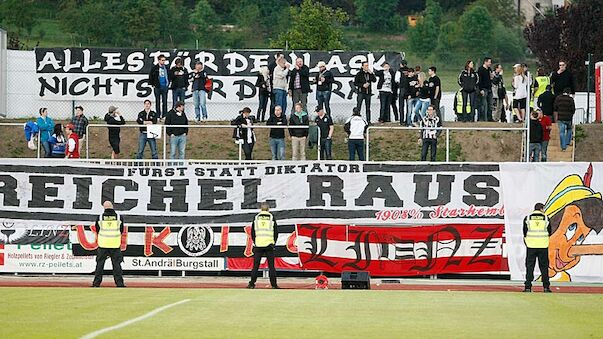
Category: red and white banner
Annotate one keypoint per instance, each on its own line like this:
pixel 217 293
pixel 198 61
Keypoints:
pixel 401 251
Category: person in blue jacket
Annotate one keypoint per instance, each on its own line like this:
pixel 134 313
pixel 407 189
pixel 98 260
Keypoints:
pixel 46 126
pixel 57 142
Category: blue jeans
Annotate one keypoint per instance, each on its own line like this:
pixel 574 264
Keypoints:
pixel 356 146
pixel 421 109
pixel 199 100
pixel 565 133
pixel 280 99
pixel 535 152
pixel 324 100
pixel 177 143
pixel 410 102
pixel 46 147
pixel 277 148
pixel 178 94
pixel 543 149
pixel 326 146
pixel 142 142
pixel 161 101
pixel 485 105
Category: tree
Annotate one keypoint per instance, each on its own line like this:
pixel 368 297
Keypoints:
pixel 19 13
pixel 91 21
pixel 313 27
pixel 173 23
pixel 476 32
pixel 424 36
pixel 570 34
pixel 205 22
pixel 376 16
pixel 503 10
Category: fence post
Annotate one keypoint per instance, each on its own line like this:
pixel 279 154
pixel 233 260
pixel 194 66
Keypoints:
pixel 318 145
pixel 88 142
pixel 240 149
pixel 39 137
pixel 164 139
pixel 447 145
pixel 3 74
pixel 527 117
pixel 368 130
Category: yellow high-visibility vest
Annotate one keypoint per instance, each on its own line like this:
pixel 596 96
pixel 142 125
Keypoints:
pixel 109 235
pixel 459 103
pixel 537 235
pixel 264 229
pixel 543 81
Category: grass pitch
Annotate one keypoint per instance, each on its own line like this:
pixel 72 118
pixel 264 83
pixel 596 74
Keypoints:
pixel 229 313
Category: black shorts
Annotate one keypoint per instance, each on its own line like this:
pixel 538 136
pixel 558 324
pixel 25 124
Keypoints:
pixel 114 142
pixel 520 103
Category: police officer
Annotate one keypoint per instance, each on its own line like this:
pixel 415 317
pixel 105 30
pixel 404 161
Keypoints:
pixel 264 234
pixel 110 227
pixel 536 232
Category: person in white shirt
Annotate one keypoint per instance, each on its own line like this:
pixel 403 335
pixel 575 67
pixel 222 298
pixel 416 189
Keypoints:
pixel 520 95
pixel 356 127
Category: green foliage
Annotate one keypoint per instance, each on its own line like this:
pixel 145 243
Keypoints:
pixel 423 38
pixel 205 24
pixel 433 10
pixel 314 27
pixel 508 44
pixel 376 16
pixel 448 38
pixel 476 31
pixel 99 19
pixel 504 11
pixel 19 13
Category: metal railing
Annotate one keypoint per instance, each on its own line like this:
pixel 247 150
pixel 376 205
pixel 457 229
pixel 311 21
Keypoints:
pixel 447 131
pixel 164 135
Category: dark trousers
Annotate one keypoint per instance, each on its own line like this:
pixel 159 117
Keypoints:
pixel 356 146
pixel 161 95
pixel 543 263
pixel 116 259
pixel 367 102
pixel 258 253
pixel 429 143
pixel 262 107
pixel 468 101
pixel 247 149
pixel 394 104
pixel 436 104
pixel 402 106
pixel 385 99
pixel 326 146
pixel 485 106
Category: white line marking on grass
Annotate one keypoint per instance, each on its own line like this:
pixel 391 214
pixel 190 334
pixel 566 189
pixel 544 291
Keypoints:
pixel 132 321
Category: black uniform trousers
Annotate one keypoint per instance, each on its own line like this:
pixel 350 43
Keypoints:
pixel 543 263
pixel 258 253
pixel 116 259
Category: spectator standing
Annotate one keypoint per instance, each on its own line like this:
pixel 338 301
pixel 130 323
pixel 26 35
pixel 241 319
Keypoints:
pixel 80 122
pixel 485 90
pixel 264 85
pixel 563 110
pixel 546 102
pixel 159 78
pixel 413 95
pixel 356 128
pixel 422 98
pixel 435 90
pixel 499 95
pixel 325 124
pixel 520 95
pixel 298 135
pixel 429 134
pixel 277 135
pixel 179 81
pixel 401 80
pixel 562 79
pixel 385 85
pixel 199 92
pixel 324 82
pixel 146 117
pixel 72 149
pixel 536 136
pixel 114 117
pixel 546 123
pixel 244 132
pixel 279 82
pixel 299 83
pixel 363 82
pixel 46 128
pixel 468 80
pixel 539 87
pixel 177 116
pixel 57 142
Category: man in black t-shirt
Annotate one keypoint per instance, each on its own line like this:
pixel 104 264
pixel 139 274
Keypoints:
pixel 435 89
pixel 325 124
pixel 485 91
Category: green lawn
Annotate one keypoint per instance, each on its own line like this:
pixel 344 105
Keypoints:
pixel 228 313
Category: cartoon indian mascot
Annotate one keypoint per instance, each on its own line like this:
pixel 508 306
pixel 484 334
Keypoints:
pixel 574 210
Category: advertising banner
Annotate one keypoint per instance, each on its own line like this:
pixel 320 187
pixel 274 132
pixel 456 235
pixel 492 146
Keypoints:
pixel 573 202
pixel 122 74
pixel 401 251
